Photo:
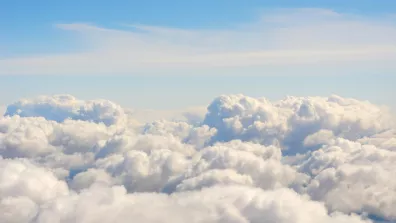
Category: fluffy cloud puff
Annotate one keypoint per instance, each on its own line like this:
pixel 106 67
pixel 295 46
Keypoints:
pixel 288 122
pixel 24 187
pixel 301 159
pixel 62 107
pixel 239 163
pixel 351 177
pixel 217 204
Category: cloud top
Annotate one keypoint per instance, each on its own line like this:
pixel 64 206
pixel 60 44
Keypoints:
pixel 61 107
pixel 68 160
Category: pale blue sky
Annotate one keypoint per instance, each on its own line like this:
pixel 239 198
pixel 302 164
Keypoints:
pixel 173 54
pixel 174 92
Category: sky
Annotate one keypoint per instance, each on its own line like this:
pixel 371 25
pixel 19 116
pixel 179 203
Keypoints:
pixel 192 51
pixel 198 111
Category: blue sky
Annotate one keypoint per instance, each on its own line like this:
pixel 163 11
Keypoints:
pixel 27 27
pixel 177 92
pixel 168 54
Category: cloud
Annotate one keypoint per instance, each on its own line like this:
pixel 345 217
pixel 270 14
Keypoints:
pixel 252 164
pixel 289 122
pixel 351 177
pixel 301 38
pixel 331 158
pixel 218 204
pixel 62 107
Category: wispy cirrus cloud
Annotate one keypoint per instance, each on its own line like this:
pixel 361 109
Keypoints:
pixel 295 37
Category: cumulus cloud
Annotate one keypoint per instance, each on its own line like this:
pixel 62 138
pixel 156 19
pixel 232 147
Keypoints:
pixel 289 122
pixel 253 164
pixel 24 187
pixel 217 204
pixel 62 107
pixel 352 177
pixel 300 159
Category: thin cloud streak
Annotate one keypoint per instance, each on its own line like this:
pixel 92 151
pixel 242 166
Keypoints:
pixel 298 37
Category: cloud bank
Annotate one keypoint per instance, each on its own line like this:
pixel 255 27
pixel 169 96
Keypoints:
pixel 305 39
pixel 300 159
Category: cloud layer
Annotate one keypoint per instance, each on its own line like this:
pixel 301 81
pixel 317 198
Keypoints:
pixel 300 159
pixel 307 39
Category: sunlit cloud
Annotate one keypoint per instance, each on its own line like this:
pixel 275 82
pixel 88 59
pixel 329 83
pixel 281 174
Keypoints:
pixel 64 158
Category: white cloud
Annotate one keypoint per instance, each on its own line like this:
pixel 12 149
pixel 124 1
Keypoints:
pixel 62 107
pixel 238 164
pixel 386 140
pixel 257 165
pixel 298 38
pixel 217 204
pixel 21 178
pixel 288 122
pixel 351 177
